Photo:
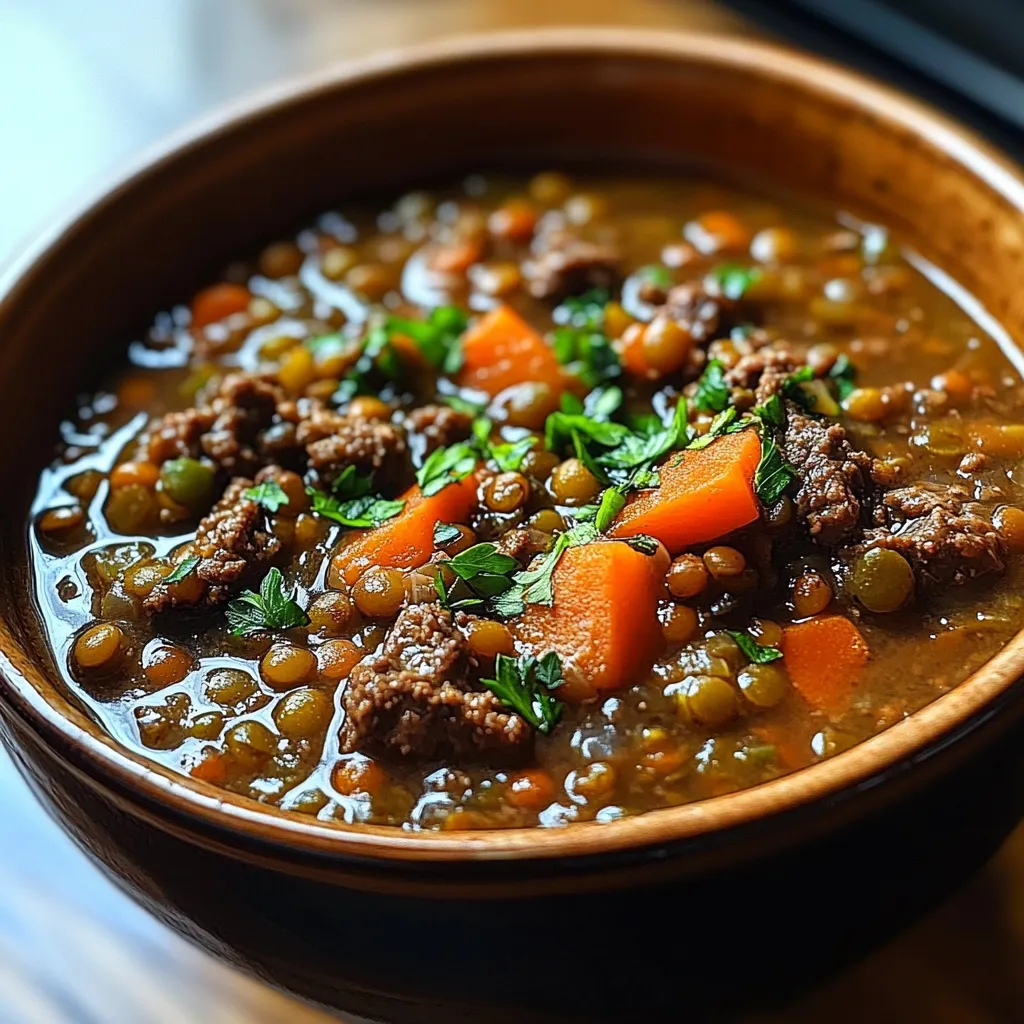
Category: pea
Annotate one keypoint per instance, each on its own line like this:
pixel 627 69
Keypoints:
pixel 229 686
pixel 678 623
pixel 330 612
pixel 100 646
pixel 303 713
pixel 527 405
pixel 166 664
pixel 811 594
pixel 506 492
pixel 721 645
pixel 285 666
pixel 188 482
pixel 130 509
pixel 763 685
pixel 724 562
pixel 665 345
pixel 687 576
pixel 379 593
pixel 573 484
pixel 539 464
pixel 710 700
pixel 882 580
pixel 1009 521
pixel 488 638
pixel 141 578
pixel 251 743
pixel 547 520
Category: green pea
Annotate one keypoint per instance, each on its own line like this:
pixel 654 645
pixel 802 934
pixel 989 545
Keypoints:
pixel 882 580
pixel 189 482
pixel 763 685
pixel 710 700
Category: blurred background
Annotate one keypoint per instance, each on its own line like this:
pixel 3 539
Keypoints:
pixel 84 86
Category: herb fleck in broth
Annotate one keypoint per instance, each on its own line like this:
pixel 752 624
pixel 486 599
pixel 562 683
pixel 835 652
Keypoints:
pixel 536 502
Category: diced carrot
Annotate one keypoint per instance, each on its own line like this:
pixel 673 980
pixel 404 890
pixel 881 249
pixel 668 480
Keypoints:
pixel 703 495
pixel 212 767
pixel 824 657
pixel 501 351
pixel 457 257
pixel 407 541
pixel 794 750
pixel 531 790
pixel 604 620
pixel 217 302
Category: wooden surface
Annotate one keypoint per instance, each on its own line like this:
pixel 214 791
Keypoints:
pixel 73 950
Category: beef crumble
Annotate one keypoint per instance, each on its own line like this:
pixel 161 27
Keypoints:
pixel 417 698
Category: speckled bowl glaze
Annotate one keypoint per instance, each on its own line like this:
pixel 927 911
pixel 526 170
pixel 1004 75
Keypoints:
pixel 416 927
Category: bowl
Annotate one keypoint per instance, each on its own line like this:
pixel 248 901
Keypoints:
pixel 778 884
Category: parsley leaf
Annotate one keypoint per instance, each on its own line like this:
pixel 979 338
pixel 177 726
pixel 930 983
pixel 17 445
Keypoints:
pixel 774 472
pixel 444 466
pixel 656 274
pixel 349 484
pixel 580 342
pixel 712 394
pixel 844 374
pixel 483 570
pixel 734 279
pixel 719 425
pixel 272 608
pixel 793 389
pixel 759 654
pixel 586 310
pixel 360 513
pixel 438 337
pixel 525 684
pixel 183 569
pixel 612 502
pixel 506 455
pixel 270 494
pixel 461 404
pixel 445 533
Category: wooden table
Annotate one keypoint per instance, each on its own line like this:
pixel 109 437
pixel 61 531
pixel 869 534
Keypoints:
pixel 73 949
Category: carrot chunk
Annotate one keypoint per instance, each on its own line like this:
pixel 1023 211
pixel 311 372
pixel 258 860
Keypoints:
pixel 704 495
pixel 501 351
pixel 824 657
pixel 407 541
pixel 218 302
pixel 604 620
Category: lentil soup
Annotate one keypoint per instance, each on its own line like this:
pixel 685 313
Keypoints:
pixel 533 502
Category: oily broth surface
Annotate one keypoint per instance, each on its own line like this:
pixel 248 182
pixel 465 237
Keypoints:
pixel 656 760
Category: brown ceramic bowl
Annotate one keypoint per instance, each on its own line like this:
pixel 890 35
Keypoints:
pixel 609 917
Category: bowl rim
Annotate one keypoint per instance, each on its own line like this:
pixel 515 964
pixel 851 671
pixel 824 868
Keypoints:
pixel 293 832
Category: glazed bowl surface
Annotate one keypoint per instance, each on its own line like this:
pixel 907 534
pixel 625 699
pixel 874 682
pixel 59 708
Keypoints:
pixel 598 99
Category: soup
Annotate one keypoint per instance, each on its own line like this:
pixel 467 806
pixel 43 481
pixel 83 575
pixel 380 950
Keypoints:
pixel 535 502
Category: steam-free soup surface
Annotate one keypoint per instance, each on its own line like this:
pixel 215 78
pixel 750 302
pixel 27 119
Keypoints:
pixel 536 501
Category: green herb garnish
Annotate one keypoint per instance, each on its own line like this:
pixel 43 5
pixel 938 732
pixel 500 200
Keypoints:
pixel 484 570
pixel 720 425
pixel 438 337
pixel 656 274
pixel 183 570
pixel 360 513
pixel 580 343
pixel 759 654
pixel 844 374
pixel 734 279
pixel 444 466
pixel 613 500
pixel 712 394
pixel 524 684
pixel 445 533
pixel 506 455
pixel 270 494
pixel 272 608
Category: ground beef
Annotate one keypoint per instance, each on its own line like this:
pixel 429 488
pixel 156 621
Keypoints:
pixel 946 538
pixel 230 541
pixel 415 697
pixel 564 264
pixel 763 371
pixel 178 435
pixel 245 405
pixel 522 545
pixel 333 441
pixel 438 426
pixel 834 476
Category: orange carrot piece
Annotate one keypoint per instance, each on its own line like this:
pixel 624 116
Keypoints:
pixel 211 767
pixel 407 541
pixel 604 620
pixel 501 351
pixel 218 302
pixel 703 495
pixel 824 657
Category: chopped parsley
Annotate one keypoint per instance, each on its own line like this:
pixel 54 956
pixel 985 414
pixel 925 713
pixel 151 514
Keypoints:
pixel 759 654
pixel 793 388
pixel 483 572
pixel 270 494
pixel 774 472
pixel 361 513
pixel 725 422
pixel 183 569
pixel 272 608
pixel 734 279
pixel 712 394
pixel 656 274
pixel 506 455
pixel 444 466
pixel 580 343
pixel 351 502
pixel 438 337
pixel 844 375
pixel 524 684
pixel 445 533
